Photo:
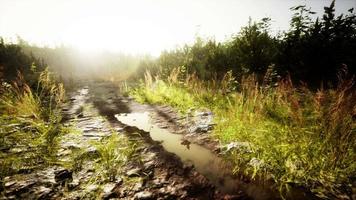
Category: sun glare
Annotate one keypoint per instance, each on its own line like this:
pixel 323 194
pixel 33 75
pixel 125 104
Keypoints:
pixel 99 33
pixel 130 28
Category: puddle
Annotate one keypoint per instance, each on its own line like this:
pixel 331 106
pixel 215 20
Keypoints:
pixel 204 161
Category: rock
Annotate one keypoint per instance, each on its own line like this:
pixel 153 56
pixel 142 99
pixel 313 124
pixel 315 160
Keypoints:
pixel 64 152
pixel 149 156
pixel 75 183
pixel 119 129
pixel 43 192
pixel 201 128
pixel 197 113
pixel 144 195
pixel 92 188
pixel 93 134
pixel 133 172
pixel 71 145
pixel 159 183
pixel 63 175
pixel 92 151
pixel 149 164
pixel 9 184
pixel 163 126
pixel 108 190
pixel 138 186
pixel 20 187
pixel 240 146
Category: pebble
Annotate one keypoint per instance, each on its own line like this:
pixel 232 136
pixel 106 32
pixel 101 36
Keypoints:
pixel 133 172
pixel 144 195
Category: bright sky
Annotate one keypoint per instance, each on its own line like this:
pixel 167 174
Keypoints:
pixel 140 26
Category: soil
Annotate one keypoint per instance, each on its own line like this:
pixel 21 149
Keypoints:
pixel 159 174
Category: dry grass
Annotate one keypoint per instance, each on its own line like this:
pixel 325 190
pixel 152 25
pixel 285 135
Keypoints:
pixel 299 137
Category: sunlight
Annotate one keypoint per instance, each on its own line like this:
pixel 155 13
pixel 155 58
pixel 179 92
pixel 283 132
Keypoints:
pixel 126 27
pixel 157 99
pixel 103 33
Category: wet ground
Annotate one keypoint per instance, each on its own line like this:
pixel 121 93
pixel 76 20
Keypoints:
pixel 175 159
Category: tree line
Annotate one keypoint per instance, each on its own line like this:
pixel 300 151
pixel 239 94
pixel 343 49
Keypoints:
pixel 311 51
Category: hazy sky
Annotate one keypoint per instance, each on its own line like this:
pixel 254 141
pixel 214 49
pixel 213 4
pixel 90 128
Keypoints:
pixel 141 26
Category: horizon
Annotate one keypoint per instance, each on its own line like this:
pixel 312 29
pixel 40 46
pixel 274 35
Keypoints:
pixel 140 27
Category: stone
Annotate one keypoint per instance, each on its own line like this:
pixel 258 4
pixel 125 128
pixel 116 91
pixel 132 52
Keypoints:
pixel 240 146
pixel 201 128
pixel 133 172
pixel 149 164
pixel 92 188
pixel 63 175
pixel 75 183
pixel 119 129
pixel 149 156
pixel 43 192
pixel 163 126
pixel 20 187
pixel 138 186
pixel 108 190
pixel 143 195
pixel 71 145
pixel 9 184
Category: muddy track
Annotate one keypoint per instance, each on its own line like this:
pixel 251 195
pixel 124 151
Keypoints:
pixel 164 175
pixel 171 160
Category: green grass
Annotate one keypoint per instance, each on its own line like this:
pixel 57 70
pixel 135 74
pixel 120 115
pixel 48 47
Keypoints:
pixel 30 124
pixel 302 138
pixel 114 153
pixel 107 161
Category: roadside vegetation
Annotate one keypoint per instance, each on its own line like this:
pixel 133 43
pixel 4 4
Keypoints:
pixel 285 100
pixel 30 123
pixel 296 137
pixel 290 97
pixel 32 131
pixel 106 163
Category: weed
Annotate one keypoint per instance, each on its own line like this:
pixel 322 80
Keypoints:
pixel 30 123
pixel 297 137
pixel 113 153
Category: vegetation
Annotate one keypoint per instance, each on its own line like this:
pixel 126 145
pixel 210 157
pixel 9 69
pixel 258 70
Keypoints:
pixel 290 97
pixel 107 161
pixel 114 152
pixel 31 99
pixel 297 137
pixel 30 123
pixel 311 51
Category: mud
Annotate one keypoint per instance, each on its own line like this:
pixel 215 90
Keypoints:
pixel 174 161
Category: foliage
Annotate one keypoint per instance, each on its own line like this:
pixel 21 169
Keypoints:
pixel 30 123
pixel 311 51
pixel 314 51
pixel 114 152
pixel 13 59
pixel 297 136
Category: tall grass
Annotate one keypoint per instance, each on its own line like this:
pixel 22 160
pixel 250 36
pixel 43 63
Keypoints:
pixel 297 136
pixel 30 121
pixel 114 152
